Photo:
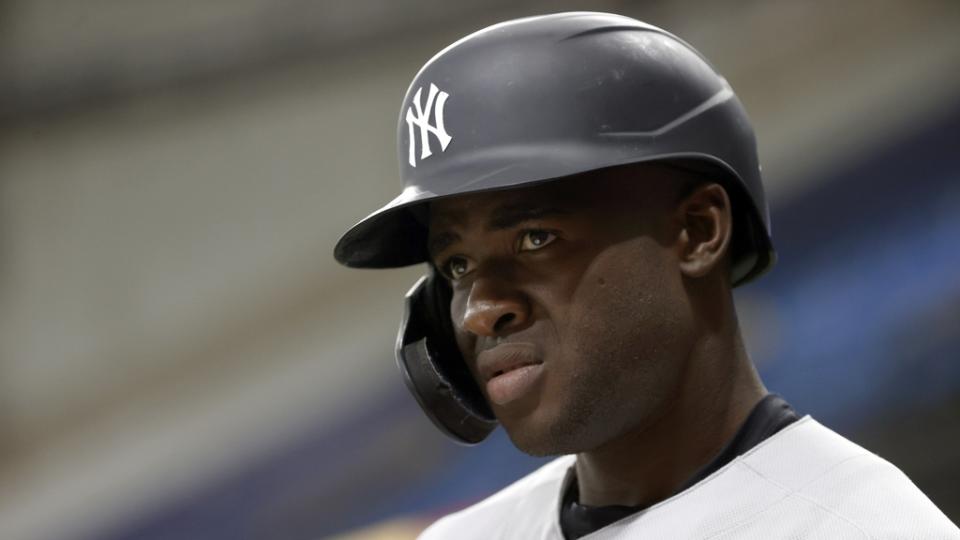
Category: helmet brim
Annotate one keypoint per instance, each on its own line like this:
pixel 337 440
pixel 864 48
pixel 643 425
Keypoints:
pixel 396 234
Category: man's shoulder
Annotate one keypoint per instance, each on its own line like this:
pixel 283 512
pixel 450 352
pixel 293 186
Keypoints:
pixel 533 499
pixel 806 481
pixel 827 480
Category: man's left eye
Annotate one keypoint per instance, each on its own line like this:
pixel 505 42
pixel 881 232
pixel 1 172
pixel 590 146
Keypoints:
pixel 533 240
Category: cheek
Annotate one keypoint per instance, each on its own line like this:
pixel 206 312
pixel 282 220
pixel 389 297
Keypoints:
pixel 626 308
pixel 463 339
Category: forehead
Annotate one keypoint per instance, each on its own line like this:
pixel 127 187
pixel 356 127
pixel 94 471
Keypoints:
pixel 467 208
pixel 628 188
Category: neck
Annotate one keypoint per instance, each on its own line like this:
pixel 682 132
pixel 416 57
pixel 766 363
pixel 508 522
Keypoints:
pixel 649 464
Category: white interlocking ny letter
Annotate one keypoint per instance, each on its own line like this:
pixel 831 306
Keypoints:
pixel 436 99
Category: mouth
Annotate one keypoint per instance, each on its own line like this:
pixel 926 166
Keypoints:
pixel 509 371
pixel 512 368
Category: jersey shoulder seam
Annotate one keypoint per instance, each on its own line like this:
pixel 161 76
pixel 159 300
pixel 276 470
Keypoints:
pixel 739 459
pixel 799 493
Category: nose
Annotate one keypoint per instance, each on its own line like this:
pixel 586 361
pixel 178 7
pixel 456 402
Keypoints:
pixel 495 308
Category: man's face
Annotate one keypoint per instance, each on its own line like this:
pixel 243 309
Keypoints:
pixel 568 305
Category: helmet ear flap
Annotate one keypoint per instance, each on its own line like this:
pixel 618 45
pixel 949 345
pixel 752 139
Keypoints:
pixel 433 367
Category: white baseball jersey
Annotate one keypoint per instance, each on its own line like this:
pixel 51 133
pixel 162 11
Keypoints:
pixel 804 482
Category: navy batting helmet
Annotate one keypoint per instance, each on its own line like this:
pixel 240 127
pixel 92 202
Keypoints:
pixel 533 100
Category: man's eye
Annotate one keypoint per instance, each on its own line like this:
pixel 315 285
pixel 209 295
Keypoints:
pixel 456 267
pixel 533 240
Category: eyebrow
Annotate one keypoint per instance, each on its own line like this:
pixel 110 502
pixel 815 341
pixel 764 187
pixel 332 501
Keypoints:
pixel 441 242
pixel 511 215
pixel 503 217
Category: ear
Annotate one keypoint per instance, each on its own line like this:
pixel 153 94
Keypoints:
pixel 705 229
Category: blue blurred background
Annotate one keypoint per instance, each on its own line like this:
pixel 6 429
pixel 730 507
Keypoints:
pixel 180 357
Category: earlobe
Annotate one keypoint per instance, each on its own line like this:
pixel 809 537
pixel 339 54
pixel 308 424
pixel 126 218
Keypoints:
pixel 706 224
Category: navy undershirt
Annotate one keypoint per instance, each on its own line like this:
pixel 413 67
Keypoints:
pixel 769 416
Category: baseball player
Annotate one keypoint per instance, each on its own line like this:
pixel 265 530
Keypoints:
pixel 585 191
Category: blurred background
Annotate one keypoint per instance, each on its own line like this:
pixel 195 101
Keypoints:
pixel 181 358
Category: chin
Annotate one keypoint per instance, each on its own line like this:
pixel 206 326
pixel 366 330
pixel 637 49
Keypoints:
pixel 543 437
pixel 537 446
pixel 576 426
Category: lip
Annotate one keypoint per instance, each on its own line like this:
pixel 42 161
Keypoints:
pixel 504 358
pixel 509 371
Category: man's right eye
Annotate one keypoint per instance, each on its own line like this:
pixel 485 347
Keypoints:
pixel 456 267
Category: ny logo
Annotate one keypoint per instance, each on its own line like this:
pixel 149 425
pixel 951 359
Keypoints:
pixel 436 99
